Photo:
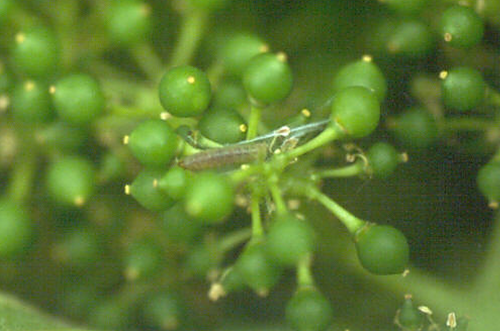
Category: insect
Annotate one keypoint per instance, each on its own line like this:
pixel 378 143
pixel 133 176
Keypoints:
pixel 248 151
pixel 225 156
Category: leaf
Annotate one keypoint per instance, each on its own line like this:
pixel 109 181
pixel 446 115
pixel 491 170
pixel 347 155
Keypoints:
pixel 16 315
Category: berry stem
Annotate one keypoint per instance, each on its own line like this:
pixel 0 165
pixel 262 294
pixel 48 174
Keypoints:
pixel 21 179
pixel 355 169
pixel 233 239
pixel 253 121
pixel 257 229
pixel 331 133
pixel 490 275
pixel 466 124
pixel 276 194
pixel 148 61
pixel 193 26
pixel 304 274
pixel 351 222
pixel 65 17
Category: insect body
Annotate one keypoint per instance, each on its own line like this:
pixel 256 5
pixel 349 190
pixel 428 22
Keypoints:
pixel 249 150
pixel 226 156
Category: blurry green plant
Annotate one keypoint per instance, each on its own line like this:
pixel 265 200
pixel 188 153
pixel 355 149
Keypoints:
pixel 234 151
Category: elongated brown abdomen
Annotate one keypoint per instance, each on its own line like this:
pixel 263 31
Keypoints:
pixel 224 157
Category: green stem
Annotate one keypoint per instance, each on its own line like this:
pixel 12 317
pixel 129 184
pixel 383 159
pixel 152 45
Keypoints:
pixel 304 274
pixel 193 26
pixel 234 239
pixel 240 175
pixel 149 62
pixel 253 122
pixel 466 124
pixel 351 222
pixel 21 179
pixel 257 229
pixel 330 134
pixel 355 169
pixel 489 277
pixel 276 194
pixel 65 18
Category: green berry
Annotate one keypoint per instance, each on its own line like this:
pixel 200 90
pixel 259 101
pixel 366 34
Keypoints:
pixel 410 38
pixel 16 228
pixel 143 259
pixel 80 248
pixel 223 125
pixel 357 110
pixel 463 88
pixel 268 78
pixel 230 94
pixel 237 50
pixel 308 310
pixel 361 73
pixel 409 317
pixel 488 181
pixel 61 137
pixel 78 99
pixel 112 167
pixel 128 22
pixel 185 91
pixel 383 159
pixel 232 281
pixel 257 270
pixel 382 249
pixel 175 182
pixel 289 239
pixel 461 26
pixel 209 198
pixel 31 102
pixel 178 226
pixel 71 180
pixel 406 6
pixel 163 310
pixel 145 190
pixel 36 52
pixel 202 259
pixel 153 143
pixel 416 128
